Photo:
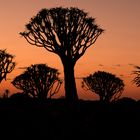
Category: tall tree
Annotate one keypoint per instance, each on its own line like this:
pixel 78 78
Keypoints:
pixel 106 85
pixel 67 32
pixel 136 80
pixel 38 81
pixel 6 64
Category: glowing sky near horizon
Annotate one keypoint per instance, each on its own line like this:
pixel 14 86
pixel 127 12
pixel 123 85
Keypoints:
pixel 117 50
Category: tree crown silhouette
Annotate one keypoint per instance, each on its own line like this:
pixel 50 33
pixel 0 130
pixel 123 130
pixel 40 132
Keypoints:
pixel 67 32
pixel 6 64
pixel 136 80
pixel 106 85
pixel 38 81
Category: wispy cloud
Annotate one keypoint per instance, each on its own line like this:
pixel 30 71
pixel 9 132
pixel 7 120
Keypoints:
pixel 22 67
pixel 100 65
pixel 118 65
pixel 130 64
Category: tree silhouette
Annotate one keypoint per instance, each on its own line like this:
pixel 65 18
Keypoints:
pixel 6 64
pixel 106 85
pixel 38 81
pixel 67 32
pixel 136 80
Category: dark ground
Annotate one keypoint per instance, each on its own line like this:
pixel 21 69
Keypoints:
pixel 58 119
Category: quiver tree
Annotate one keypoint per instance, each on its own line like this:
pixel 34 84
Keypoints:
pixel 67 32
pixel 106 85
pixel 136 80
pixel 38 81
pixel 6 64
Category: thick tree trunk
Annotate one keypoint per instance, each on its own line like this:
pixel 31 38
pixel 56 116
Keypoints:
pixel 70 84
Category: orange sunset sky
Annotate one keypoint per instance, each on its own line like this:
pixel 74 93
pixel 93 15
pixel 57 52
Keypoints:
pixel 117 50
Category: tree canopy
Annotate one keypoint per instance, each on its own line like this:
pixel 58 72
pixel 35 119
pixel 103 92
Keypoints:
pixel 38 81
pixel 136 80
pixel 106 85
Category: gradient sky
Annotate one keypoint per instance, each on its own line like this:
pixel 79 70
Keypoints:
pixel 117 50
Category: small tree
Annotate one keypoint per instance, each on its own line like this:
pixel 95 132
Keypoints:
pixel 67 32
pixel 136 80
pixel 6 64
pixel 106 85
pixel 38 81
